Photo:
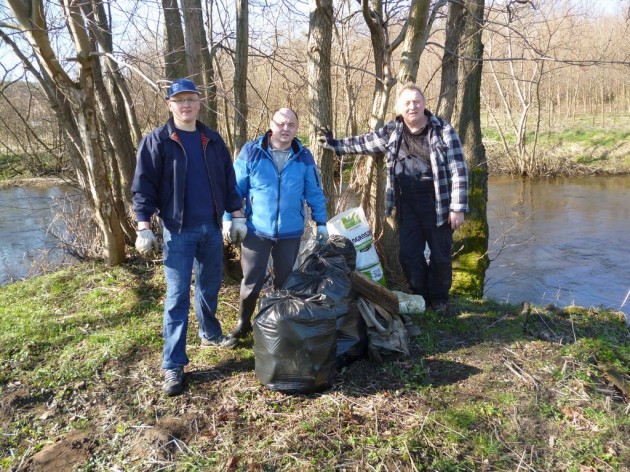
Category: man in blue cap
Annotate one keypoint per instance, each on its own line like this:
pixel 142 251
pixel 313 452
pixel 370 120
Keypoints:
pixel 184 174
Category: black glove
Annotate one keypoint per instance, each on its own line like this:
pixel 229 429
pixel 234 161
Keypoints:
pixel 325 138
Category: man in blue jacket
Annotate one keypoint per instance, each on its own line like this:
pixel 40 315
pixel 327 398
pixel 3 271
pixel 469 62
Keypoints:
pixel 184 174
pixel 276 175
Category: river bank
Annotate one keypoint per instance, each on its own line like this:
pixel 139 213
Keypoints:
pixel 494 387
pixel 33 182
pixel 541 235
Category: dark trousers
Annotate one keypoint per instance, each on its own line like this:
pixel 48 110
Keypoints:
pixel 417 228
pixel 255 253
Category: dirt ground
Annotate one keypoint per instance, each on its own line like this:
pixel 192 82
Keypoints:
pixel 388 415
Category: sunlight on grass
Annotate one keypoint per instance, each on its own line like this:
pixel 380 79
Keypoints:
pixel 80 355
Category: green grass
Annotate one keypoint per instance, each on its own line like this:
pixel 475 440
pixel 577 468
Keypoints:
pixel 80 352
pixel 64 327
pixel 26 165
pixel 586 137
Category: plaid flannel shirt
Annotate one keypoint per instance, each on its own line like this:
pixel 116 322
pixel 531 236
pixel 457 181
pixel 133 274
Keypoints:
pixel 450 172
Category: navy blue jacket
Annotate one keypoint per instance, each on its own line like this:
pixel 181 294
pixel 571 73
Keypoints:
pixel 159 182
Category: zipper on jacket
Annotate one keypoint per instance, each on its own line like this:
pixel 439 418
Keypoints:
pixel 278 212
pixel 292 158
pixel 181 223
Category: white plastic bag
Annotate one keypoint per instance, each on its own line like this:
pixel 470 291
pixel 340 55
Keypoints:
pixel 353 225
pixel 410 304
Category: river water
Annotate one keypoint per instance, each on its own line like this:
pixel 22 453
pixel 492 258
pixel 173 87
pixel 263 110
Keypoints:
pixel 26 231
pixel 561 241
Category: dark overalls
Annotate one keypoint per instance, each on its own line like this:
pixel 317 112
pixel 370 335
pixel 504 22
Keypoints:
pixel 417 224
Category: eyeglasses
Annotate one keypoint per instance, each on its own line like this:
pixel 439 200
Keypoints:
pixel 284 125
pixel 184 101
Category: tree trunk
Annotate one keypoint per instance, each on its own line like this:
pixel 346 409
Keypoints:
pixel 207 58
pixel 471 240
pixel 373 168
pixel 450 61
pixel 174 49
pixel 414 42
pixel 240 75
pixel 121 148
pixel 319 92
pixel 82 124
pixel 195 40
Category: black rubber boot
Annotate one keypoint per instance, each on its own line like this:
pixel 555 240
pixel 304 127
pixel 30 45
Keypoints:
pixel 244 326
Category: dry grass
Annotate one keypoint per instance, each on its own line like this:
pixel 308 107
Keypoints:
pixel 491 387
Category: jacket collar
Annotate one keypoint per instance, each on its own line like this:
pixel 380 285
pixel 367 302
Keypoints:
pixel 206 133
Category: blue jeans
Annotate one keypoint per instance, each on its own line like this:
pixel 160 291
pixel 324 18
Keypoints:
pixel 199 249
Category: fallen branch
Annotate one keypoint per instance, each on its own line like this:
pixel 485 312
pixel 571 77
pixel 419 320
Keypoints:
pixel 517 370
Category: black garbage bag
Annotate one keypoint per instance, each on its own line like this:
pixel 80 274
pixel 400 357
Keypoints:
pixel 330 253
pixel 352 336
pixel 295 342
pixel 329 275
pixel 340 245
pixel 330 281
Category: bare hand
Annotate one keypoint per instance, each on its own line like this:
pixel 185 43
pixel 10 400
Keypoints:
pixel 456 219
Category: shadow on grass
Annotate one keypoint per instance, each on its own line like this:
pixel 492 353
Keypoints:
pixel 478 330
pixel 479 327
pixel 222 370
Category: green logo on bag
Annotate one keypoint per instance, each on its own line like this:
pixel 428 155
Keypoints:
pixel 351 220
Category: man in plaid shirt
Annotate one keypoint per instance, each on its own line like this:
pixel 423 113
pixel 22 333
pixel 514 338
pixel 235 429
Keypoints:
pixel 427 182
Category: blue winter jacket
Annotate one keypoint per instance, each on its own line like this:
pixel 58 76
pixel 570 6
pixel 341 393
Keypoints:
pixel 274 203
pixel 160 177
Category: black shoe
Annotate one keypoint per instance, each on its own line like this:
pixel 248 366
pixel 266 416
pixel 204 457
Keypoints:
pixel 443 309
pixel 220 341
pixel 173 381
pixel 440 307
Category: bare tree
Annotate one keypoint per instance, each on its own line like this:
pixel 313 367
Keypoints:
pixel 471 241
pixel 415 40
pixel 450 60
pixel 319 91
pixel 240 75
pixel 199 60
pixel 174 49
pixel 379 22
pixel 79 110
pixel 208 52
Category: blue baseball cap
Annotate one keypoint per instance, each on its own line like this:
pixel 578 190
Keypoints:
pixel 179 86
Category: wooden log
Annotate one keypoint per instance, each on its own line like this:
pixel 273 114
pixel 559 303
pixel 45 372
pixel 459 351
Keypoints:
pixel 374 292
pixel 617 379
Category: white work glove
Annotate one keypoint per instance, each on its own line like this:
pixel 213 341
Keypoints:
pixel 238 230
pixel 146 242
pixel 322 234
pixel 325 138
pixel 227 229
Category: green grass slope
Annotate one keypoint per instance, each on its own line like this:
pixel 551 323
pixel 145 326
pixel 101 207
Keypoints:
pixel 491 387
